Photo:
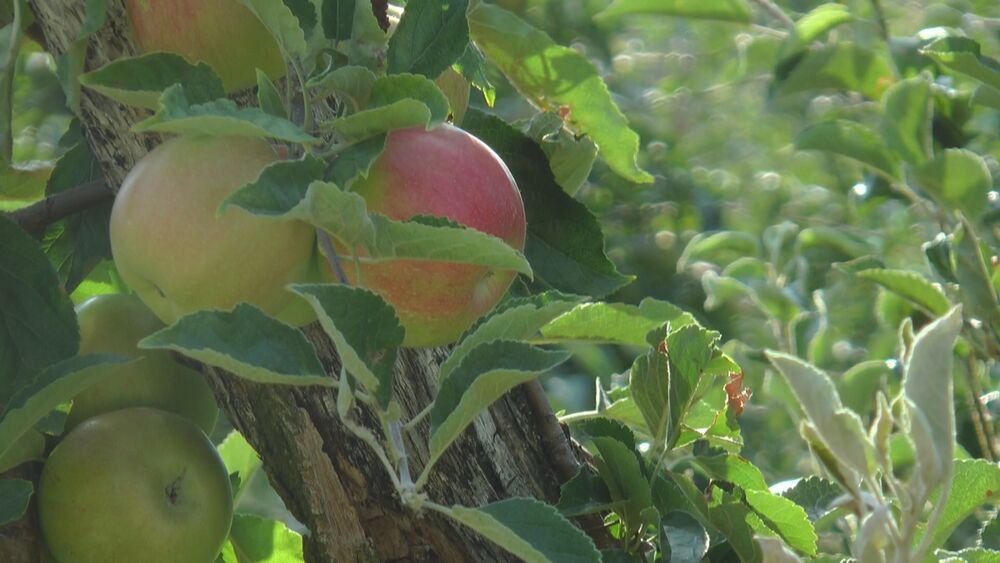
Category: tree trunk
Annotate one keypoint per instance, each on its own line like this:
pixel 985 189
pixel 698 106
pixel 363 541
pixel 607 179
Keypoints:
pixel 330 480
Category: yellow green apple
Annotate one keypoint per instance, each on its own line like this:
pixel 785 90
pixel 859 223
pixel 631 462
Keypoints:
pixel 137 484
pixel 113 324
pixel 179 255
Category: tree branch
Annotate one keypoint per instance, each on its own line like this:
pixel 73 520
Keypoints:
pixel 37 216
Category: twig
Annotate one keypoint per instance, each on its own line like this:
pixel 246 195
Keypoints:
pixel 980 419
pixel 331 255
pixel 37 216
pixel 883 27
pixel 773 9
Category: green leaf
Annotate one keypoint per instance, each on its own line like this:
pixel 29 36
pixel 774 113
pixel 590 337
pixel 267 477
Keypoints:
pixel 975 483
pixel 388 90
pixel 517 319
pixel 570 158
pixel 733 469
pixel 906 119
pixel 351 84
pixel 531 530
pixel 839 66
pixel 14 497
pixel 486 374
pixel 978 294
pixel 30 446
pixel 37 323
pixel 557 78
pixel 55 385
pixel 682 538
pixel 140 81
pixel 723 10
pixel 430 37
pixel 584 493
pixel 840 429
pixel 969 555
pixel 258 540
pixel 815 495
pixel 911 286
pixel 364 329
pixel 588 429
pixel 786 518
pixel 240 458
pixel 371 122
pixel 338 19
pixel 732 520
pixel 280 187
pixel 245 342
pixel 719 248
pixel 565 245
pixel 355 161
pixel 619 467
pixel 986 96
pixel 958 178
pixel 616 323
pixel 962 54
pixel 283 25
pixel 926 379
pixel 850 139
pixel 268 96
pixel 219 117
pixel 472 65
pixel 649 385
pixel 819 20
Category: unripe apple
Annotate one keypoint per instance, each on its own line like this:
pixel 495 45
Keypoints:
pixel 113 324
pixel 135 485
pixel 222 33
pixel 444 172
pixel 180 256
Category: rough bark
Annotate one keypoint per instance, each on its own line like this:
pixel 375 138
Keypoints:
pixel 330 480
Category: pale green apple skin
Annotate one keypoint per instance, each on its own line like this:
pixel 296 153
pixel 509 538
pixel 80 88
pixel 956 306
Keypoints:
pixel 222 33
pixel 114 324
pixel 180 256
pixel 135 485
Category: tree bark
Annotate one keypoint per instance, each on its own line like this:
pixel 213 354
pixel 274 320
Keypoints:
pixel 329 479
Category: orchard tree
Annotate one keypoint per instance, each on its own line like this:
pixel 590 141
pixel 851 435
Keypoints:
pixel 364 231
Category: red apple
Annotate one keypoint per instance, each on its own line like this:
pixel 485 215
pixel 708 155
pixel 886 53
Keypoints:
pixel 222 33
pixel 444 172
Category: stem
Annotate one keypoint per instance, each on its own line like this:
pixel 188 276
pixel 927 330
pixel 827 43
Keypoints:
pixel 8 84
pixel 578 416
pixel 773 9
pixel 438 508
pixel 307 116
pixel 418 417
pixel 367 437
pixel 37 216
pixel 980 419
pixel 399 447
pixel 883 27
pixel 331 255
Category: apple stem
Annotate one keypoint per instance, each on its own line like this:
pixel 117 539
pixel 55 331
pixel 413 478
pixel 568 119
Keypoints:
pixel 331 255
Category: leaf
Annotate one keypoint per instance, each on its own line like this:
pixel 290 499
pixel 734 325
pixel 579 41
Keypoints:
pixel 724 10
pixel 839 429
pixel 247 343
pixel 814 495
pixel 719 248
pixel 220 117
pixel 14 497
pixel 962 54
pixel 850 139
pixel 819 20
pixel 279 188
pixel 338 19
pixel 486 374
pixel 975 483
pixel 619 467
pixel 531 530
pixel 517 319
pixel 839 66
pixel 614 322
pixel 55 385
pixel 371 122
pixel 240 458
pixel 558 79
pixel 588 429
pixel 969 555
pixel 430 37
pixel 786 518
pixel 733 469
pixel 355 161
pixel 978 294
pixel 649 385
pixel 283 25
pixel 584 493
pixel 565 245
pixel 731 520
pixel 268 97
pixel 906 119
pixel 30 446
pixel 255 539
pixel 390 89
pixel 682 538
pixel 140 81
pixel 570 158
pixel 472 65
pixel 911 286
pixel 958 178
pixel 365 330
pixel 352 84
pixel 37 323
pixel 926 379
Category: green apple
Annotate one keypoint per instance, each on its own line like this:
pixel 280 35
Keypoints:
pixel 179 255
pixel 225 34
pixel 113 324
pixel 444 172
pixel 135 485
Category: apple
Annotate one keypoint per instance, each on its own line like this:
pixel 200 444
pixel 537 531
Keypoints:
pixel 113 324
pixel 174 250
pixel 444 172
pixel 136 484
pixel 225 34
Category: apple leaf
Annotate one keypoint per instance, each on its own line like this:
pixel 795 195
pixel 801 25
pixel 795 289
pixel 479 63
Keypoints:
pixel 570 158
pixel 220 117
pixel 516 319
pixel 906 119
pixel 24 181
pixel 622 472
pixel 37 323
pixel 975 483
pixel 351 84
pixel 962 54
pixel 850 139
pixel 839 66
pixel 616 323
pixel 390 89
pixel 472 65
pixel 355 161
pixel 682 537
pixel 733 520
pixel 431 35
pixel 14 497
pixel 531 530
pixel 565 245
pixel 268 96
pixel 785 517
pixel 370 122
pixel 337 17
pixel 365 330
pixel 342 214
pixel 260 540
pixel 584 493
pixel 245 342
pixel 722 10
pixel 558 79
pixel 958 178
pixel 56 384
pixel 240 458
pixel 733 469
pixel 140 81
pixel 29 447
pixel 911 286
pixel 484 375
pixel 283 25
pixel 279 188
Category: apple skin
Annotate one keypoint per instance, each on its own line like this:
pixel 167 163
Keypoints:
pixel 113 324
pixel 179 256
pixel 135 485
pixel 222 33
pixel 444 172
